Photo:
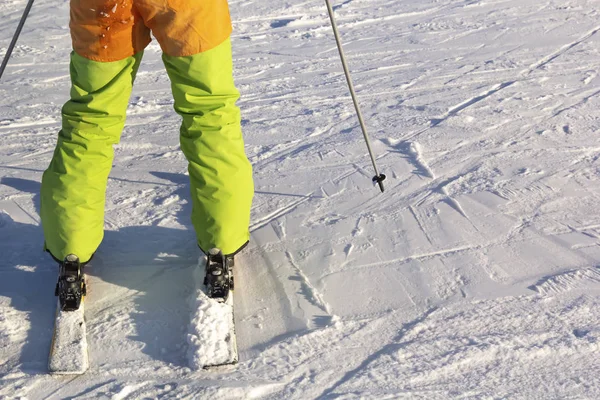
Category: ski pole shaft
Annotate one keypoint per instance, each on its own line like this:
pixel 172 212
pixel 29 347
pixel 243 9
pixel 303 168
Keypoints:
pixel 378 178
pixel 15 37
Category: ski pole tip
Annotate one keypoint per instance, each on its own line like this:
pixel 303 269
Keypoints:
pixel 379 180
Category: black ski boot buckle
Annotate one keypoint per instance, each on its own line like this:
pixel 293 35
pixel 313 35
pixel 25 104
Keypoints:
pixel 70 287
pixel 219 275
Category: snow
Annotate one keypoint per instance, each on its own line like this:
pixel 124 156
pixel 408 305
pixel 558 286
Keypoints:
pixel 211 337
pixel 474 276
pixel 69 349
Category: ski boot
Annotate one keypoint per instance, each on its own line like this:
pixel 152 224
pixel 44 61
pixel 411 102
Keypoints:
pixel 219 275
pixel 70 287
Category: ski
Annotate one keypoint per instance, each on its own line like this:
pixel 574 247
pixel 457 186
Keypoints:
pixel 68 352
pixel 211 337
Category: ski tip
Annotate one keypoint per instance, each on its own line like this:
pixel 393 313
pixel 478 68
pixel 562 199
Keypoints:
pixel 61 366
pixel 62 372
pixel 74 364
pixel 219 367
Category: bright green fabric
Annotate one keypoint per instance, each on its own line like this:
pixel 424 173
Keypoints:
pixel 74 185
pixel 211 139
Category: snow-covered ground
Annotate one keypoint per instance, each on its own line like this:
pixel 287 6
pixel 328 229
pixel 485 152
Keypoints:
pixel 475 276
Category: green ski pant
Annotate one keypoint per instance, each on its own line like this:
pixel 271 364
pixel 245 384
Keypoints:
pixel 74 185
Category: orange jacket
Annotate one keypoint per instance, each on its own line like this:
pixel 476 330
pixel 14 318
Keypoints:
pixel 111 30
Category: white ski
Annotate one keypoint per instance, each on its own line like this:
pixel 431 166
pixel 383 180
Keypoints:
pixel 211 336
pixel 69 350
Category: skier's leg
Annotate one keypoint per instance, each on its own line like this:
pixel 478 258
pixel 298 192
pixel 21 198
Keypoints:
pixel 74 185
pixel 211 139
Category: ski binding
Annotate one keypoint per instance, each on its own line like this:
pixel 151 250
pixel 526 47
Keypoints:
pixel 70 287
pixel 219 275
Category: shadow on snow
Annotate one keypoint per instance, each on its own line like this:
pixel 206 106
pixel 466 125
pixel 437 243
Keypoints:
pixel 148 266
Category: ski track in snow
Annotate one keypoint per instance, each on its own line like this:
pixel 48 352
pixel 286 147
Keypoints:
pixel 475 275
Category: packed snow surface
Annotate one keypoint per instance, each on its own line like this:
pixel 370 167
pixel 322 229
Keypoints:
pixel 474 276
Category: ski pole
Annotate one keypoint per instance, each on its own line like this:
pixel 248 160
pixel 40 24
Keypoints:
pixel 15 37
pixel 378 178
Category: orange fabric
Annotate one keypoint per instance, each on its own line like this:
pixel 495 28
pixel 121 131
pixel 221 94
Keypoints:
pixel 111 30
